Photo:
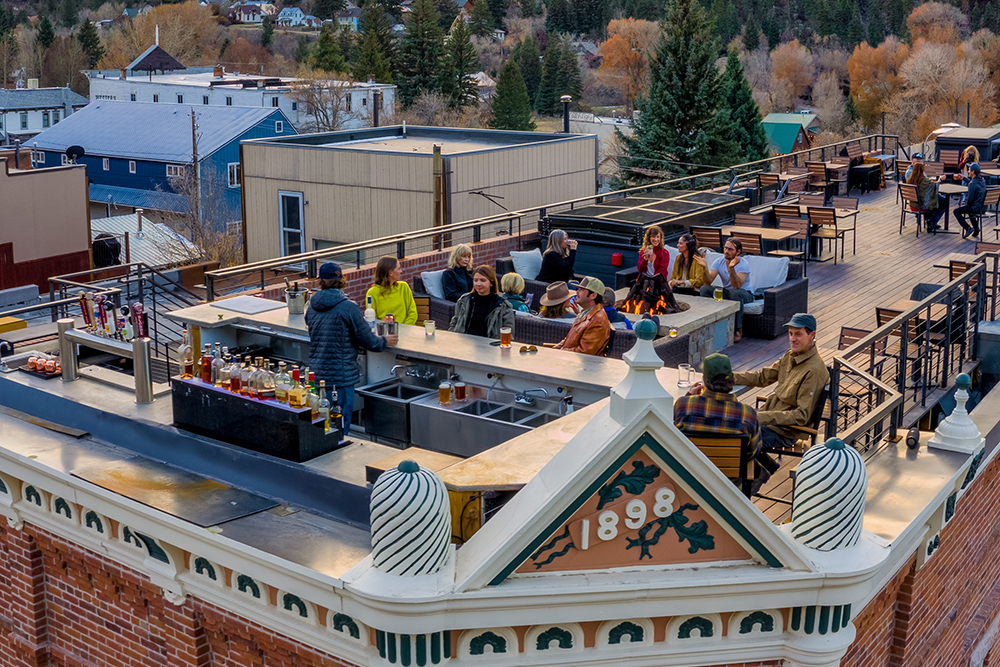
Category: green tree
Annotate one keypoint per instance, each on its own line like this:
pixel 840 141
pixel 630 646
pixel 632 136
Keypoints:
pixel 560 17
pixel 67 13
pixel 498 9
pixel 346 41
pixel 773 28
pixel 876 29
pixel 511 107
pixel 90 42
pixel 850 110
pixel 747 131
pixel 46 33
pixel 267 32
pixel 481 20
pixel 683 118
pixel 570 78
pixel 560 76
pixel 225 45
pixel 302 50
pixel 371 62
pixel 420 54
pixel 529 8
pixel 529 60
pixel 327 56
pixel 7 21
pixel 751 35
pixel 325 9
pixel 726 19
pixel 448 11
pixel 855 31
pixel 459 63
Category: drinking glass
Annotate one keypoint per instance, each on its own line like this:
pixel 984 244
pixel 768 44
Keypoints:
pixel 673 332
pixel 684 373
pixel 718 294
pixel 444 393
pixel 459 392
pixel 429 327
pixel 505 337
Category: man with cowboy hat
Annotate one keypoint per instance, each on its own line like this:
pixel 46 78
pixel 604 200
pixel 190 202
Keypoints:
pixel 591 329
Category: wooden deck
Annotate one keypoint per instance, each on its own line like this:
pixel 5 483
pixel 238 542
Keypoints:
pixel 884 270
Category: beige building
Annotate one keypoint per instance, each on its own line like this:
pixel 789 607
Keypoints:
pixel 310 192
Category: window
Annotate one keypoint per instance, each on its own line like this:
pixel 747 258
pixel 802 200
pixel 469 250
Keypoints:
pixel 45 119
pixel 37 158
pixel 279 126
pixel 364 101
pixel 175 170
pixel 180 99
pixel 65 160
pixel 55 116
pixel 234 228
pixel 204 99
pixel 229 101
pixel 290 213
pixel 24 120
pixel 131 166
pixel 235 173
pixel 106 163
pixel 348 96
pixel 156 98
pixel 295 106
pixel 1 121
pixel 274 101
pixel 132 97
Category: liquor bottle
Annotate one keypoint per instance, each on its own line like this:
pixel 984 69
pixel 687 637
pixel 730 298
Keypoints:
pixel 336 416
pixel 282 383
pixel 235 373
pixel 296 394
pixel 245 377
pixel 370 315
pixel 324 406
pixel 252 392
pixel 313 396
pixel 205 364
pixel 265 391
pixel 186 354
pixel 217 363
pixel 224 374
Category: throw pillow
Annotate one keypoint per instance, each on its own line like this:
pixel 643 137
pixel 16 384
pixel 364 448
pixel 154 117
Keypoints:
pixel 432 283
pixel 767 272
pixel 527 263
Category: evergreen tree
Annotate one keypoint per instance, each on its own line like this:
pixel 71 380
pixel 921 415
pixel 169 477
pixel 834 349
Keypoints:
pixel 560 18
pixel 372 62
pixel 855 31
pixel 570 78
pixel 67 13
pixel 46 33
pixel 90 42
pixel 529 60
pixel 547 97
pixel 773 29
pixel 346 42
pixel 327 56
pixel 325 9
pixel 726 19
pixel 481 20
pixel 511 107
pixel 448 11
pixel 225 45
pixel 375 20
pixel 498 10
pixel 683 118
pixel 420 54
pixel 589 16
pixel 267 32
pixel 22 17
pixel 747 131
pixel 876 30
pixel 751 35
pixel 459 63
pixel 529 8
pixel 7 22
pixel 302 50
pixel 850 110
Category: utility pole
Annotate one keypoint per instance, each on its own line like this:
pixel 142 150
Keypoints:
pixel 194 170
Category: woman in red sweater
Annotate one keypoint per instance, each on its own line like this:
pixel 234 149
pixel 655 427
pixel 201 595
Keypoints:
pixel 653 256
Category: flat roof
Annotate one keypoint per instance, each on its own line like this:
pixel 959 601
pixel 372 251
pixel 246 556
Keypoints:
pixel 971 133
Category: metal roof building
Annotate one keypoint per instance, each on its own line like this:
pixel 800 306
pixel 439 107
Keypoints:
pixel 24 112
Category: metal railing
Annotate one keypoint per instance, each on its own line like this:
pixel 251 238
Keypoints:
pixel 473 231
pixel 908 362
pixel 138 351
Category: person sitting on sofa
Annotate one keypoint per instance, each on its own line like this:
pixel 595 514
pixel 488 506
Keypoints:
pixel 653 256
pixel 734 271
pixel 457 279
pixel 558 258
pixel 511 286
pixel 617 318
pixel 556 302
pixel 390 295
pixel 482 312
pixel 688 275
pixel 591 330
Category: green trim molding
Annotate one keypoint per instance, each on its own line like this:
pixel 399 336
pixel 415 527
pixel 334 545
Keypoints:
pixel 94 521
pixel 564 637
pixel 705 627
pixel 202 566
pixel 635 633
pixel 477 646
pixel 764 620
pixel 62 507
pixel 245 584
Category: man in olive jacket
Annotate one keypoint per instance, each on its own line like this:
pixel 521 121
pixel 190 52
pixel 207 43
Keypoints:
pixel 801 375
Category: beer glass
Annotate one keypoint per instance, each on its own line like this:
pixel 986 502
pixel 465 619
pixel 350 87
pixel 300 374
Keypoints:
pixel 459 392
pixel 718 294
pixel 684 373
pixel 444 393
pixel 505 337
pixel 673 332
pixel 429 327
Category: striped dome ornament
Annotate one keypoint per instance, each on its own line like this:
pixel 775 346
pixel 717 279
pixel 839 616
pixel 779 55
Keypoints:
pixel 829 505
pixel 411 521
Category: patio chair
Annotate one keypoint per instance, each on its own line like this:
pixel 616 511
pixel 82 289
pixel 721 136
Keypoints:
pixel 911 206
pixel 785 211
pixel 752 243
pixel 901 167
pixel 801 225
pixel 769 182
pixel 825 221
pixel 818 178
pixel 728 453
pixel 807 432
pixel 708 237
pixel 934 168
pixel 848 204
pixel 982 246
pixel 812 200
pixel 950 158
pixel 912 347
pixel 749 220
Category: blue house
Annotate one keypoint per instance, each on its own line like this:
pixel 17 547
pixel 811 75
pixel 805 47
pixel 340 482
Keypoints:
pixel 140 154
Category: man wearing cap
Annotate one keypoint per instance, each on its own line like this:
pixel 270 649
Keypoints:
pixel 337 329
pixel 616 318
pixel 801 376
pixel 712 410
pixel 918 158
pixel 591 330
pixel 975 202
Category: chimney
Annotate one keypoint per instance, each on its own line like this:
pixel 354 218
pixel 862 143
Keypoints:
pixel 124 73
pixel 566 99
pixel 219 72
pixel 138 217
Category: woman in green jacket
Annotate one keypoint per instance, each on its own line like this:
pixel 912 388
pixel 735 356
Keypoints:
pixel 390 295
pixel 482 312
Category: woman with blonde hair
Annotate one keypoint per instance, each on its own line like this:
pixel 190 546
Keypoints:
pixel 558 258
pixel 482 311
pixel 969 156
pixel 511 287
pixel 390 295
pixel 457 279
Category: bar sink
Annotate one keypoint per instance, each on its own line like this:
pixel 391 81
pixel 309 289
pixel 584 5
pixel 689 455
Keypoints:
pixel 387 409
pixel 539 419
pixel 402 392
pixel 511 414
pixel 478 408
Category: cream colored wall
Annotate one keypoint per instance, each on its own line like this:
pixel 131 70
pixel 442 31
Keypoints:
pixel 43 212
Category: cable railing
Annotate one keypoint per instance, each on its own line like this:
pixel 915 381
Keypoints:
pixel 473 231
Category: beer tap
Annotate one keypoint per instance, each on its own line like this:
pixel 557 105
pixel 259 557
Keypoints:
pixel 102 315
pixel 137 322
pixel 91 312
pixel 87 314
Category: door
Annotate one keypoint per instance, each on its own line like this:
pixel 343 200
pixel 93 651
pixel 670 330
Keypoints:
pixel 292 231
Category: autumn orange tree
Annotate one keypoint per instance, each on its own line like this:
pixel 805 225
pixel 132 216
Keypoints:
pixel 626 54
pixel 188 31
pixel 874 75
pixel 937 22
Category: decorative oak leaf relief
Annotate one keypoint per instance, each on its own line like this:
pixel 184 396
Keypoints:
pixel 634 482
pixel 696 534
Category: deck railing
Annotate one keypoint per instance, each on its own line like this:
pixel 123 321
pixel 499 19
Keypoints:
pixel 472 231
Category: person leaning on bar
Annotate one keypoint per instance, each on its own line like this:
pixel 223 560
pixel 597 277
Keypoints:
pixel 483 312
pixel 390 295
pixel 337 329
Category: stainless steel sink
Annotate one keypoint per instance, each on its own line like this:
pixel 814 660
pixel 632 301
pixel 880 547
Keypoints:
pixel 478 408
pixel 538 419
pixel 511 414
pixel 401 391
pixel 387 409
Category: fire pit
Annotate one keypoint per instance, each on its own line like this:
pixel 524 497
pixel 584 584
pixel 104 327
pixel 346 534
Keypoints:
pixel 652 295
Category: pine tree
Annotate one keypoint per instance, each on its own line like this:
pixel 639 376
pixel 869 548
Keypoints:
pixel 511 107
pixel 302 50
pixel 747 131
pixel 375 20
pixel 7 21
pixel 683 118
pixel 459 63
pixel 267 32
pixel 529 60
pixel 560 17
pixel 46 33
pixel 773 29
pixel 67 13
pixel 751 35
pixel 855 31
pixel 420 54
pixel 222 49
pixel 498 10
pixel 529 8
pixel 327 56
pixel 372 63
pixel 547 97
pixel 325 9
pixel 850 110
pixel 570 78
pixel 876 31
pixel 448 11
pixel 90 42
pixel 481 20
pixel 346 42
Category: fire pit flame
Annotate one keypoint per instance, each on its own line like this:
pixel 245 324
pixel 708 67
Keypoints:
pixel 650 294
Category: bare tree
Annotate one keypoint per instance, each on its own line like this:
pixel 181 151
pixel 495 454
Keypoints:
pixel 829 102
pixel 327 104
pixel 213 219
pixel 757 68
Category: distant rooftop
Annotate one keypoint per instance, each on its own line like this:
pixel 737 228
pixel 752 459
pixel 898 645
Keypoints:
pixel 156 246
pixel 39 98
pixel 806 120
pixel 204 77
pixel 155 59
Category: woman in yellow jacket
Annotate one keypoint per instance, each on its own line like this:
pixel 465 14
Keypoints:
pixel 688 275
pixel 390 295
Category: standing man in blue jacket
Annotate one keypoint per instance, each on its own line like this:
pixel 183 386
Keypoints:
pixel 974 203
pixel 337 330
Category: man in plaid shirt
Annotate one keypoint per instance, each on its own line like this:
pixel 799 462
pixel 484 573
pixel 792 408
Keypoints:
pixel 712 409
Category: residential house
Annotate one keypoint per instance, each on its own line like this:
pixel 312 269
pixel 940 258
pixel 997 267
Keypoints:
pixel 24 112
pixel 350 18
pixel 808 120
pixel 785 137
pixel 138 155
pixel 248 12
pixel 311 21
pixel 132 12
pixel 290 17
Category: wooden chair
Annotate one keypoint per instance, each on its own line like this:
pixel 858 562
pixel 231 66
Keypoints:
pixel 818 178
pixel 801 226
pixel 841 159
pixel 752 243
pixel 908 193
pixel 901 167
pixel 982 247
pixel 785 211
pixel 423 308
pixel 934 168
pixel 769 182
pixel 988 164
pixel 812 200
pixel 992 201
pixel 729 454
pixel 854 153
pixel 807 432
pixel 708 237
pixel 749 220
pixel 825 222
pixel 950 158
pixel 848 204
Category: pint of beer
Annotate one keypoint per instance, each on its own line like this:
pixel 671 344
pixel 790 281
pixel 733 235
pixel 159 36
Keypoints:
pixel 718 294
pixel 444 393
pixel 505 337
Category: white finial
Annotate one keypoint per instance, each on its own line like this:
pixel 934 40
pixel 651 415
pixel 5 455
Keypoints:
pixel 829 505
pixel 641 385
pixel 157 34
pixel 958 433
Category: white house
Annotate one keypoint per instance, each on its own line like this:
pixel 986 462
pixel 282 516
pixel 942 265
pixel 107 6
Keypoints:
pixel 24 112
pixel 252 12
pixel 290 17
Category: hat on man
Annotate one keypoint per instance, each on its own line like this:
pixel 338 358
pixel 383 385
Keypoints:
pixel 802 321
pixel 556 293
pixel 918 156
pixel 609 297
pixel 590 284
pixel 329 271
pixel 976 168
pixel 716 366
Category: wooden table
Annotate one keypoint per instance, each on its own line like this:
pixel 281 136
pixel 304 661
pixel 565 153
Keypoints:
pixel 949 190
pixel 945 262
pixel 840 212
pixel 938 310
pixel 766 233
